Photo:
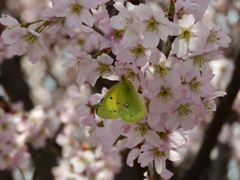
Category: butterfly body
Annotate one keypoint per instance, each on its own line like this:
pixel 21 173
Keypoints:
pixel 122 101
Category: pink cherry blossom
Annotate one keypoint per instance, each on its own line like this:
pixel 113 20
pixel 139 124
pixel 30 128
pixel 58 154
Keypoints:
pixel 139 132
pixel 7 128
pixel 133 154
pixel 197 87
pixel 100 14
pixel 75 12
pixel 68 140
pixel 22 40
pixel 131 72
pixel 160 72
pixel 195 7
pixel 81 161
pixel 108 134
pixel 209 104
pixel 165 99
pixel 199 60
pixel 11 24
pixel 158 154
pixel 137 53
pixel 64 171
pixel 126 21
pixel 101 67
pixel 112 37
pixel 218 37
pixel 56 22
pixel 187 114
pixel 191 36
pixel 174 85
pixel 172 139
pixel 81 61
pixel 155 25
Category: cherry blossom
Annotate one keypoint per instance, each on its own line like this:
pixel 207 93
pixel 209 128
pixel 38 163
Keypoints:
pixel 191 36
pixel 101 67
pixel 218 37
pixel 187 114
pixel 75 12
pixel 155 25
pixel 137 53
pixel 56 23
pixel 160 72
pixel 158 154
pixel 126 21
pixel 197 8
pixel 165 54
pixel 166 98
pixel 22 40
pixel 81 61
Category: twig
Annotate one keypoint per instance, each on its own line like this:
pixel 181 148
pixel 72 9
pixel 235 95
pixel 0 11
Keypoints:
pixel 26 24
pixel 96 29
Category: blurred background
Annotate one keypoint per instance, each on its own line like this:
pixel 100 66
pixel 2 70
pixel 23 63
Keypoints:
pixel 38 101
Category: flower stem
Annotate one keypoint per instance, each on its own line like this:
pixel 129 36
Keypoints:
pixel 99 31
pixel 26 24
pixel 41 27
pixel 97 54
pixel 103 51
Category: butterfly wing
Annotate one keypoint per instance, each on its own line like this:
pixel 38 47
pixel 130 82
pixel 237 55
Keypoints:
pixel 107 107
pixel 129 104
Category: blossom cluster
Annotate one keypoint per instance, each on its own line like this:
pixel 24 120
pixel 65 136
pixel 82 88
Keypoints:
pixel 175 87
pixel 19 130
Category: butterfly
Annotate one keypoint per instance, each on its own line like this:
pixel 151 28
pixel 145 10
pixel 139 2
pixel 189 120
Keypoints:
pixel 122 101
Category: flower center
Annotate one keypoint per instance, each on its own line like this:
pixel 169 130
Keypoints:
pixel 209 105
pixel 184 110
pixel 157 153
pixel 59 19
pixel 41 132
pixel 31 39
pixel 194 85
pixel 117 33
pixel 76 8
pixel 77 65
pixel 152 25
pixel 186 33
pixel 213 38
pixel 104 68
pixel 81 159
pixel 142 128
pixel 199 60
pixel 162 70
pixel 164 92
pixel 6 157
pixel 163 135
pixel 130 75
pixel 4 126
pixel 138 50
